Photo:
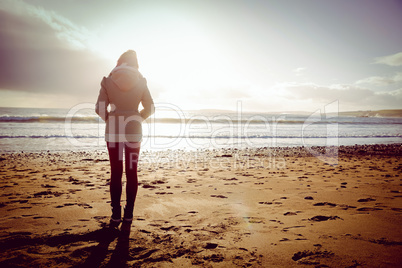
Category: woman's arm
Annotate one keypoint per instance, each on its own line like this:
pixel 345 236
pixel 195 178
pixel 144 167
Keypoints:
pixel 147 103
pixel 102 102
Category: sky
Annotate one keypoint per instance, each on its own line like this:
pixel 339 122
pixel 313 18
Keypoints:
pixel 270 56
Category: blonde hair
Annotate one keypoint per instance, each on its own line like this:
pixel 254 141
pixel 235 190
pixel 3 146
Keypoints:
pixel 130 58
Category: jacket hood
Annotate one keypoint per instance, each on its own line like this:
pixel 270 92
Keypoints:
pixel 125 77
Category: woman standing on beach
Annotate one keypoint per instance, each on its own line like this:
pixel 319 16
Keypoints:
pixel 123 90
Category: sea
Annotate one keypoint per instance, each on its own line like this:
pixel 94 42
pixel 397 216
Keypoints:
pixel 80 129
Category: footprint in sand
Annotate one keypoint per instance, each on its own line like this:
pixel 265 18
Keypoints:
pixel 85 205
pixel 368 209
pixel 167 228
pixel 211 246
pixel 324 218
pixel 291 227
pixel 66 205
pixel 148 186
pixel 48 186
pixel 192 212
pixel 73 191
pixel 312 255
pixel 324 204
pixel 365 199
pixel 231 179
pixel 219 196
pixel 290 214
pixel 158 182
pixel 214 258
pixel 28 215
pixel 73 204
pixel 346 207
pixel 46 193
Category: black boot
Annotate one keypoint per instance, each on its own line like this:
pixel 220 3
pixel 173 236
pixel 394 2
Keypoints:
pixel 127 220
pixel 116 217
pixel 128 214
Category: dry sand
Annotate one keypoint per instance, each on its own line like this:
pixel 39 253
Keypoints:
pixel 220 208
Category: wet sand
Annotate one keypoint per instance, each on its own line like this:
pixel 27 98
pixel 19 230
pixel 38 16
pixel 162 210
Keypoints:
pixel 219 208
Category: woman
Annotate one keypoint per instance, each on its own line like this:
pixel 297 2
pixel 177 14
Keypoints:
pixel 123 90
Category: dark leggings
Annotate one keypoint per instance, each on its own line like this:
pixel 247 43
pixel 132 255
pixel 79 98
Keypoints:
pixel 131 154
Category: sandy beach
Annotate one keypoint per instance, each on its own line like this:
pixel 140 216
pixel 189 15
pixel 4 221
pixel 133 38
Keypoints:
pixel 266 207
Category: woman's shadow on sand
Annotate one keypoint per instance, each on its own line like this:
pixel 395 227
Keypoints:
pixel 98 254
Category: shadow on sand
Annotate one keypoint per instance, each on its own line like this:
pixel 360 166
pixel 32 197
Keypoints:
pixel 99 253
pixel 80 247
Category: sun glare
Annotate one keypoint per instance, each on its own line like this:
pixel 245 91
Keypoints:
pixel 180 60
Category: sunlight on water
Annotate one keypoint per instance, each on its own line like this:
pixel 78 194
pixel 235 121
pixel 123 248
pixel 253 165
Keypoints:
pixel 47 129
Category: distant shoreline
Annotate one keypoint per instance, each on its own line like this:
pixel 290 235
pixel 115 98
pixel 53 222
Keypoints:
pixel 358 113
pixel 378 113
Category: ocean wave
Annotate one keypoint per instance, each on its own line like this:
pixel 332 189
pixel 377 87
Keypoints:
pixel 260 121
pixel 48 119
pixel 217 120
pixel 49 137
pixel 276 137
pixel 203 137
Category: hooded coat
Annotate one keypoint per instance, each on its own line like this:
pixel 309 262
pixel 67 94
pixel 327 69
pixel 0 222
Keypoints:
pixel 124 89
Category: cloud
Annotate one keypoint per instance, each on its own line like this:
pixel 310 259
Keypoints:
pixel 299 71
pixel 391 60
pixel 348 95
pixel 66 31
pixel 42 52
pixel 381 80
